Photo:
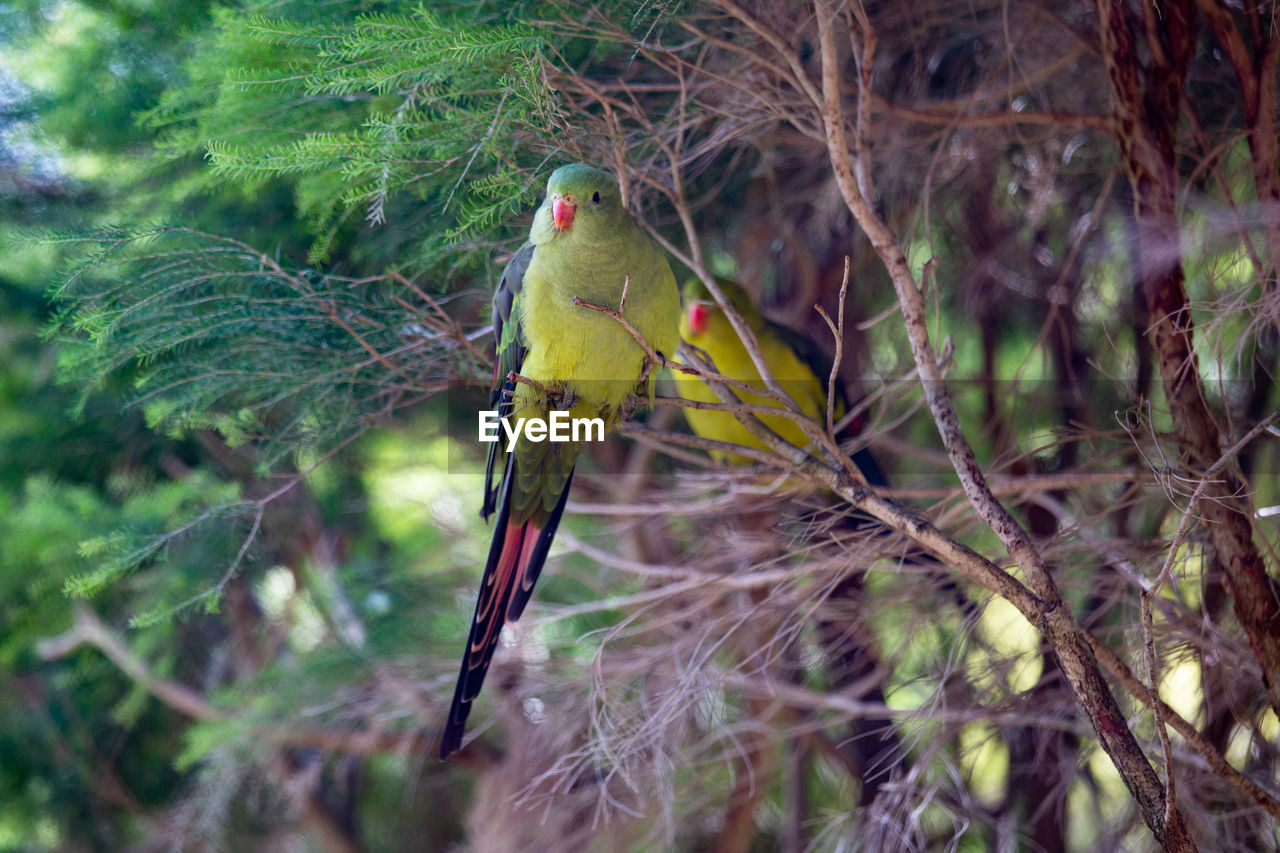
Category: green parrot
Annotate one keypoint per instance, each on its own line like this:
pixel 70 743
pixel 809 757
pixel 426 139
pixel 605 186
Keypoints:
pixel 583 244
pixel 800 367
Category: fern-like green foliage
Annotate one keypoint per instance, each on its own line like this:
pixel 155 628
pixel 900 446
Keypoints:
pixel 211 334
pixel 371 115
pixel 216 335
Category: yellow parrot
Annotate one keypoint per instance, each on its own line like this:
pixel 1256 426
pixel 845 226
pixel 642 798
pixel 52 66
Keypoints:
pixel 583 245
pixel 796 363
pixel 803 371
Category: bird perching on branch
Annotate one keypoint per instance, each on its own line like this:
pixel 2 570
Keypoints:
pixel 560 346
pixel 798 365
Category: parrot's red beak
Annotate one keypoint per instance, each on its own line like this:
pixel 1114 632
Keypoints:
pixel 698 314
pixel 562 212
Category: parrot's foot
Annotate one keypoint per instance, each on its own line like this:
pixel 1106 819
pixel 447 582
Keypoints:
pixel 644 373
pixel 659 360
pixel 565 400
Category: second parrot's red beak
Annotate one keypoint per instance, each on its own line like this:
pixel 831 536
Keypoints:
pixel 698 314
pixel 562 213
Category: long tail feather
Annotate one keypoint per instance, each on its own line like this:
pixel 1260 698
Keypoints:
pixel 516 556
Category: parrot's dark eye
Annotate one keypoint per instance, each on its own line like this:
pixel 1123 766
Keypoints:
pixel 595 197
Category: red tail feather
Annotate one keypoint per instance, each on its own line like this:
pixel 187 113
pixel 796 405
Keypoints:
pixel 516 556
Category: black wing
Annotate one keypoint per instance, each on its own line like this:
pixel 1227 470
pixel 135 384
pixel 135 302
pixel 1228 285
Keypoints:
pixel 508 356
pixel 820 363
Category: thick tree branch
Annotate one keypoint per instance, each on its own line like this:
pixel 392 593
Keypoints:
pixel 1055 620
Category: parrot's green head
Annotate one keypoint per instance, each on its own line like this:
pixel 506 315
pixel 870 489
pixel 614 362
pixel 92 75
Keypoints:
pixel 583 203
pixel 702 315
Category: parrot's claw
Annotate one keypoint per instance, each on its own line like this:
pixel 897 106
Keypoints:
pixel 644 373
